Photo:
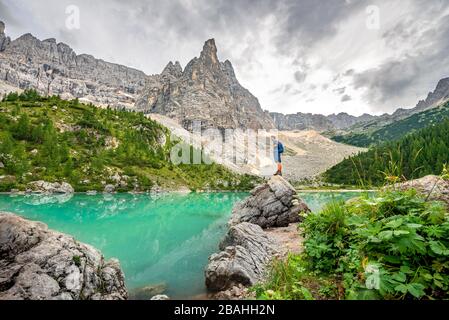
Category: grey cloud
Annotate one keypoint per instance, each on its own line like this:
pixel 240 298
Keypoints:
pixel 6 15
pixel 308 22
pixel 340 90
pixel 300 76
pixel 346 98
pixel 402 82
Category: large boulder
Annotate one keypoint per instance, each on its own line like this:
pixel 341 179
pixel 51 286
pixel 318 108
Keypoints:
pixel 272 204
pixel 246 253
pixel 433 187
pixel 49 187
pixel 41 264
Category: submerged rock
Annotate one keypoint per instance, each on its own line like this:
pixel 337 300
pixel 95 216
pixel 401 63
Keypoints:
pixel 272 204
pixel 432 187
pixel 246 252
pixel 41 264
pixel 49 187
pixel 148 292
pixel 160 297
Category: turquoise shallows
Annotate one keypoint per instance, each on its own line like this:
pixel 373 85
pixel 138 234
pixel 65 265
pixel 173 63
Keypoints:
pixel 164 239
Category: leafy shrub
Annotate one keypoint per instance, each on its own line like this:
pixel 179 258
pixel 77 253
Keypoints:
pixel 391 246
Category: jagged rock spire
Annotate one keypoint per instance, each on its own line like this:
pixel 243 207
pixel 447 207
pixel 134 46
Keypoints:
pixel 209 53
pixel 4 40
pixel 172 69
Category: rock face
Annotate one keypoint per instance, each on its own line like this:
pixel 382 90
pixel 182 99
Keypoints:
pixel 48 187
pixel 318 122
pixel 207 90
pixel 246 251
pixel 435 98
pixel 273 204
pixel 40 264
pixel 54 68
pixel 432 186
pixel 4 40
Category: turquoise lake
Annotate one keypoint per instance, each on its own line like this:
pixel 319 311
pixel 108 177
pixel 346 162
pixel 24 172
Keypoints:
pixel 158 239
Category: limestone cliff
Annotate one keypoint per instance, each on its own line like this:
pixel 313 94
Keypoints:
pixel 54 68
pixel 207 90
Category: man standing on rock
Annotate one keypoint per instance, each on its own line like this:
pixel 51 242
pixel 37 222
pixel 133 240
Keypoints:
pixel 278 150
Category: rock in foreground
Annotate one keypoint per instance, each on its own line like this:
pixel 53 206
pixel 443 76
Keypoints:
pixel 40 264
pixel 246 251
pixel 272 204
pixel 432 186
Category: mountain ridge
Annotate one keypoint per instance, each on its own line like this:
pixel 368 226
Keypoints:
pixel 205 81
pixel 54 68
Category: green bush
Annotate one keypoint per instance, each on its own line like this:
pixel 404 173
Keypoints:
pixel 391 246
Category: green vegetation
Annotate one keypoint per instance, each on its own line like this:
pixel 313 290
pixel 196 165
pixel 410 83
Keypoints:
pixel 391 246
pixel 397 129
pixel 55 140
pixel 413 156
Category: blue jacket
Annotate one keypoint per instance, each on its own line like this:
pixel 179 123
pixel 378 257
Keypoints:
pixel 278 150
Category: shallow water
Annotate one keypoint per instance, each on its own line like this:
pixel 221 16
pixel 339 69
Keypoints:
pixel 165 239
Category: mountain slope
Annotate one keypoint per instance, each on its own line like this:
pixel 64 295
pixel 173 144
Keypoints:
pixel 413 156
pixel 56 140
pixel 397 129
pixel 355 133
pixel 318 122
pixel 54 68
pixel 309 154
pixel 207 90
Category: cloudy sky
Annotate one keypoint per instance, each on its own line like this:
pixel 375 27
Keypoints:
pixel 319 56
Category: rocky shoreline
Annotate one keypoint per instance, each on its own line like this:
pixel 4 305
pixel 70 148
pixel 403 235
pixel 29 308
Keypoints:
pixel 37 263
pixel 252 242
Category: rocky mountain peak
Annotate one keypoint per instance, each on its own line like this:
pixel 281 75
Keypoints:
pixel 440 95
pixel 207 91
pixel 4 40
pixel 209 53
pixel 54 68
pixel 172 69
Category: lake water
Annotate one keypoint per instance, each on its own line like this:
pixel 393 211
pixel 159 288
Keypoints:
pixel 158 239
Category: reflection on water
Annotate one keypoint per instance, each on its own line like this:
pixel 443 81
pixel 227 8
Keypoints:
pixel 162 239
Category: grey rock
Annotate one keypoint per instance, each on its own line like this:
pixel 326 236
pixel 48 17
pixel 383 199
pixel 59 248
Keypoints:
pixel 109 188
pixel 435 98
pixel 1 165
pixel 54 68
pixel 318 122
pixel 272 204
pixel 207 90
pixel 4 40
pixel 246 253
pixel 148 292
pixel 49 187
pixel 42 264
pixel 160 297
pixel 431 186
